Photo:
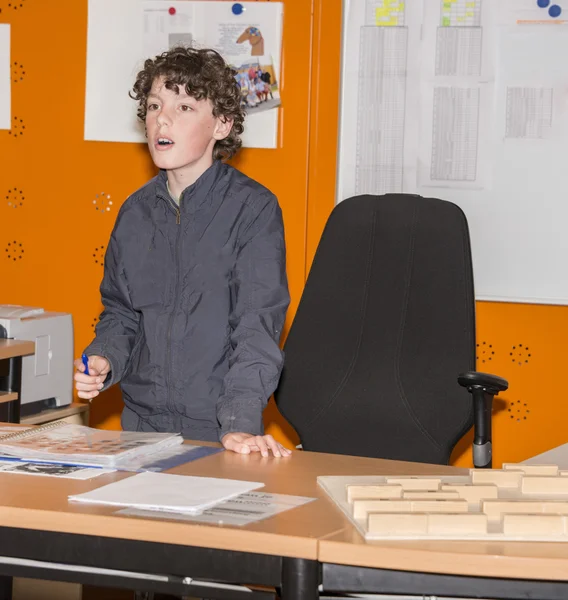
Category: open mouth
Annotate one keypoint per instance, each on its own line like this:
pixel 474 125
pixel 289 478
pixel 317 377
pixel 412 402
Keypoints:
pixel 164 142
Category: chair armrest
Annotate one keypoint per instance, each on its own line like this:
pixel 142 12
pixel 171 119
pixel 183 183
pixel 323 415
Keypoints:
pixel 482 387
pixel 492 384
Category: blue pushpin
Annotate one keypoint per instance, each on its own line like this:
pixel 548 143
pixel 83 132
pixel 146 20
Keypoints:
pixel 543 3
pixel 554 11
pixel 238 9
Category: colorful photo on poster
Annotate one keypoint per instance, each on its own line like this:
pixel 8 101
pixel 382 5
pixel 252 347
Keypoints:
pixel 259 87
pixel 253 36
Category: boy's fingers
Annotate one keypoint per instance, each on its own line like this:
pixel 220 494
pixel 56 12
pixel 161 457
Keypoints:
pixel 88 395
pixel 259 441
pixel 238 447
pixel 88 387
pixel 78 364
pixel 82 378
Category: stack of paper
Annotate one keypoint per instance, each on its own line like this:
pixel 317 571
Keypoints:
pixel 165 492
pixel 68 443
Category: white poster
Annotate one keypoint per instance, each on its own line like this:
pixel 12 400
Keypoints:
pixel 5 83
pixel 123 34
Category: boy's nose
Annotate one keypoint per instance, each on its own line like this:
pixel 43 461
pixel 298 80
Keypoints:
pixel 163 119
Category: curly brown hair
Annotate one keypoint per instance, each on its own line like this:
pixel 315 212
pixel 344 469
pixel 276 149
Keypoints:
pixel 205 76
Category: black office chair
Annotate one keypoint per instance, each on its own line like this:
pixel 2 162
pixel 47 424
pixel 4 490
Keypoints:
pixel 385 325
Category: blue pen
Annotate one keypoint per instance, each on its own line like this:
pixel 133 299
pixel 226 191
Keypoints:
pixel 85 360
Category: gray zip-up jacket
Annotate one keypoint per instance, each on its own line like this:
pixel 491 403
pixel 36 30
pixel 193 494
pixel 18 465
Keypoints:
pixel 194 303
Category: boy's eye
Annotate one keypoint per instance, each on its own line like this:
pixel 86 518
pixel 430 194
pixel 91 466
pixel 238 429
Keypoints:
pixel 185 108
pixel 152 107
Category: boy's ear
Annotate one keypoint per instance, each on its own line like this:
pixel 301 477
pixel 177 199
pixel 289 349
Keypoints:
pixel 222 128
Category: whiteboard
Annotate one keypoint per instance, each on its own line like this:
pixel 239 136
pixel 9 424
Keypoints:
pixel 466 101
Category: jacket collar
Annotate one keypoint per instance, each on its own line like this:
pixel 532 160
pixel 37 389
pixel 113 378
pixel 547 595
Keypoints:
pixel 195 195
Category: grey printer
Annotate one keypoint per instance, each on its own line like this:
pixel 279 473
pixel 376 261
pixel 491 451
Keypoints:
pixel 47 375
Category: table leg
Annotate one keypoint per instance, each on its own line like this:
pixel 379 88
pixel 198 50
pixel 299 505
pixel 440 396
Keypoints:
pixel 5 588
pixel 15 385
pixel 300 579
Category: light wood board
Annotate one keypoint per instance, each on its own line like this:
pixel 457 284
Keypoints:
pixel 516 503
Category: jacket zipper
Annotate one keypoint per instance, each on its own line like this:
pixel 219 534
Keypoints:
pixel 169 400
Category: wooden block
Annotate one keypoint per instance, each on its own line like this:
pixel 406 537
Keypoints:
pixel 416 483
pixel 362 507
pixel 495 509
pixel 373 492
pixel 545 486
pixel 498 477
pixel 457 524
pixel 398 524
pixel 558 508
pixel 532 469
pixel 448 495
pixel 473 493
pixel 443 506
pixel 541 525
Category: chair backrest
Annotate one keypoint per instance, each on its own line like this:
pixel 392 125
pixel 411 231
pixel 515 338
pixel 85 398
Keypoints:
pixel 385 324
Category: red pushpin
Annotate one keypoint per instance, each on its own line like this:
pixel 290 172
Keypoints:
pixel 172 10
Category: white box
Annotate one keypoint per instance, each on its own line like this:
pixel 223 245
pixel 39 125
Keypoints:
pixel 49 372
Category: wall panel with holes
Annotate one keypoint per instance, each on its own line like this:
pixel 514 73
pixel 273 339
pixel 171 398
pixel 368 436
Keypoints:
pixel 59 195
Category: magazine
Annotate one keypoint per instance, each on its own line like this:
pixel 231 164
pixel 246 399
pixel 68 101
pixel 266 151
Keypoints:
pixel 79 444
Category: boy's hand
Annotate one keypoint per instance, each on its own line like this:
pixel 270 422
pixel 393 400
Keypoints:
pixel 90 385
pixel 245 443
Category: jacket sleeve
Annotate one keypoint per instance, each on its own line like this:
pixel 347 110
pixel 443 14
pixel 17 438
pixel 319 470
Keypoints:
pixel 261 294
pixel 118 323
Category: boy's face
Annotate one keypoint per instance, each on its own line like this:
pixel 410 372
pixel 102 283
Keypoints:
pixel 181 130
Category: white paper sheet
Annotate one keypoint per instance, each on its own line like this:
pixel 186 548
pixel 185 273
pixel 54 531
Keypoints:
pixel 5 80
pixel 528 113
pixel 378 145
pixel 162 30
pixel 242 510
pixel 162 491
pixel 121 35
pixel 456 102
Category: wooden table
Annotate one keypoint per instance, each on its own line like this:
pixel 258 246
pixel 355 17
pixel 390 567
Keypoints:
pixel 12 351
pixel 296 551
pixel 38 523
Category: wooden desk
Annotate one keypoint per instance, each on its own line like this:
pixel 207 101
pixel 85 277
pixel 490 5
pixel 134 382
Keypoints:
pixel 11 385
pixel 296 550
pixel 37 522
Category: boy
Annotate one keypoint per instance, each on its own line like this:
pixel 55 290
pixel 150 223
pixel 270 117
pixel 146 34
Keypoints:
pixel 194 288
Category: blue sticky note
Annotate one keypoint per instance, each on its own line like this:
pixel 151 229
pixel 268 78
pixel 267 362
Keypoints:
pixel 238 9
pixel 543 3
pixel 554 11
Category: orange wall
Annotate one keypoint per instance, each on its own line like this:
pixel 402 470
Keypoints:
pixel 64 180
pixel 56 176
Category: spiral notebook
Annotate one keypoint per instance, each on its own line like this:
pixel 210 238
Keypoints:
pixel 78 444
